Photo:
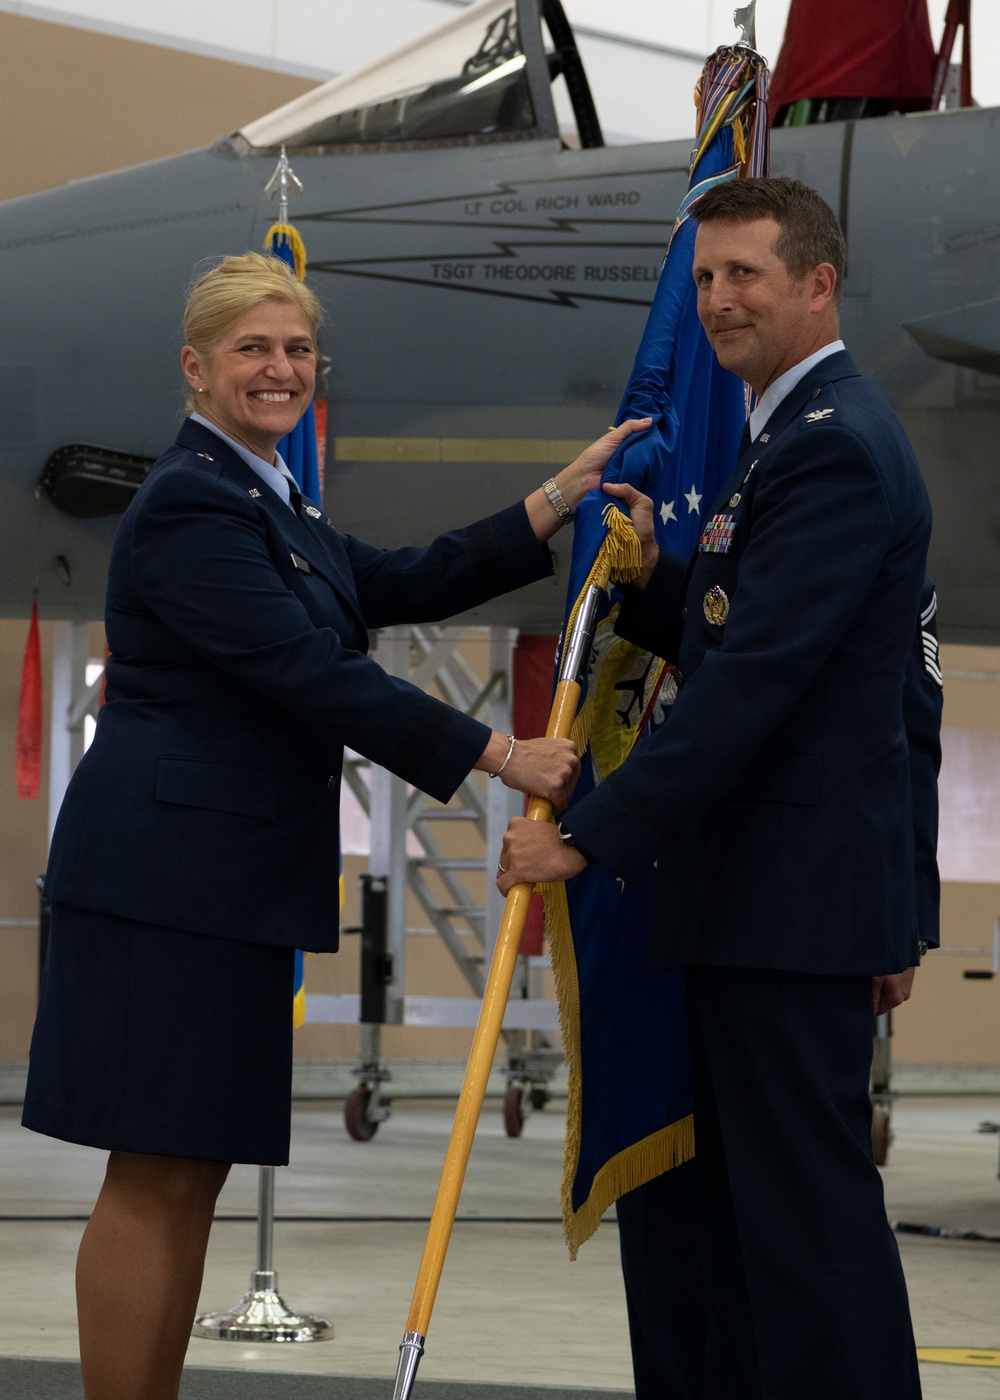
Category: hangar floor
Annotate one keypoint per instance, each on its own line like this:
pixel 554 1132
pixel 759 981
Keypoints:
pixel 514 1320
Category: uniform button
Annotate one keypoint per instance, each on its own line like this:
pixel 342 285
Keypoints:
pixel 332 783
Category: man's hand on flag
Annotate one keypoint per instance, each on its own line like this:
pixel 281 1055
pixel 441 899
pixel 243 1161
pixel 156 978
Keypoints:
pixel 640 508
pixel 532 853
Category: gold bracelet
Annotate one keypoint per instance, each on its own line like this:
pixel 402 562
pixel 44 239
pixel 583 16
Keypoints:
pixel 557 500
pixel 503 765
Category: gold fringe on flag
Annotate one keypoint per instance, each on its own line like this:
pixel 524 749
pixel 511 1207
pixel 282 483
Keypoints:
pixel 636 1164
pixel 294 240
pixel 618 560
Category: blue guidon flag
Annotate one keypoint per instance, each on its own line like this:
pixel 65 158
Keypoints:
pixel 298 452
pixel 624 1027
pixel 297 448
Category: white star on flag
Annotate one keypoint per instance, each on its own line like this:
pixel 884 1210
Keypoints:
pixel 667 511
pixel 693 500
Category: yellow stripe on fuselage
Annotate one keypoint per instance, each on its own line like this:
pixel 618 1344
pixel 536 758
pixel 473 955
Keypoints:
pixel 549 451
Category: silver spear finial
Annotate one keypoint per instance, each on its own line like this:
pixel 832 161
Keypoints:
pixel 746 20
pixel 283 185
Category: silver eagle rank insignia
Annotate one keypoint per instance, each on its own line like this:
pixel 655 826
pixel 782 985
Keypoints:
pixel 818 414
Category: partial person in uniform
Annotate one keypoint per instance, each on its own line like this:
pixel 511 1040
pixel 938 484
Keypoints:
pixel 668 1312
pixel 197 843
pixel 778 805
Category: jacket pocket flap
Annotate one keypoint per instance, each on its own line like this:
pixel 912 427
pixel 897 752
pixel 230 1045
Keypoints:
pixel 779 777
pixel 220 787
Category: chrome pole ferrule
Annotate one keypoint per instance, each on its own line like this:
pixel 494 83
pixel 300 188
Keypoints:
pixel 577 651
pixel 411 1349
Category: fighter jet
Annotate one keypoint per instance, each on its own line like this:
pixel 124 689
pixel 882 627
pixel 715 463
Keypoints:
pixel 486 278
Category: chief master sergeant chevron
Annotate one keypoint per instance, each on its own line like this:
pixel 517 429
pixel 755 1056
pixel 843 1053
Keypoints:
pixel 777 803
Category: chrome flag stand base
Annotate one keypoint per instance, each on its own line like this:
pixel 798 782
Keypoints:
pixel 262 1316
pixel 411 1349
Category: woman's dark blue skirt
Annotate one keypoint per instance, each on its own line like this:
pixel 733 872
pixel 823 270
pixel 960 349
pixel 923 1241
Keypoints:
pixel 153 1040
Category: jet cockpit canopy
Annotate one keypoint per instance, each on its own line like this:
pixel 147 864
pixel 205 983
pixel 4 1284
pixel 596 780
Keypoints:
pixel 481 75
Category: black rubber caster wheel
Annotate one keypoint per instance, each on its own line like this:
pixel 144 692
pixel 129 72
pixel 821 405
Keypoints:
pixel 881 1134
pixel 539 1096
pixel 513 1110
pixel 356 1120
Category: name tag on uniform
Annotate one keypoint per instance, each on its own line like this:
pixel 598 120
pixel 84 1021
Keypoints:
pixel 717 537
pixel 300 563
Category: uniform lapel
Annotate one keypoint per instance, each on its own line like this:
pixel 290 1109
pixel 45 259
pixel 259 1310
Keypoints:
pixel 809 389
pixel 834 367
pixel 312 539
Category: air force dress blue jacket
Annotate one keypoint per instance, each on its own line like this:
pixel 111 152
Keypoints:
pixel 238 632
pixel 778 800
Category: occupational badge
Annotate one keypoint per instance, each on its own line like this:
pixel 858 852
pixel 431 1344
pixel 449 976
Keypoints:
pixel 817 414
pixel 311 510
pixel 717 537
pixel 716 606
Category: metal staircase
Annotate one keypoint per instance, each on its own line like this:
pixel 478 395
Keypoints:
pixel 453 887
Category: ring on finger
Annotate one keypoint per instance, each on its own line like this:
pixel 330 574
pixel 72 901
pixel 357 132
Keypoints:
pixel 501 868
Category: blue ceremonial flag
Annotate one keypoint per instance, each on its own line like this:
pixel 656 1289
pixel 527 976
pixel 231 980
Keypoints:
pixel 624 1026
pixel 298 451
pixel 297 448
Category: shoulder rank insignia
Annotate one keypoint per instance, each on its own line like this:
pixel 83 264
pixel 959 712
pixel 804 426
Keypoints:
pixel 817 414
pixel 716 606
pixel 717 537
pixel 254 493
pixel 205 456
pixel 316 514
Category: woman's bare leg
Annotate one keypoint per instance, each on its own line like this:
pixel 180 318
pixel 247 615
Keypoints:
pixel 139 1271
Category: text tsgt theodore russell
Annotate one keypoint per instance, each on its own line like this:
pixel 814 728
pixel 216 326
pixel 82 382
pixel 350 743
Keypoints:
pixel 513 271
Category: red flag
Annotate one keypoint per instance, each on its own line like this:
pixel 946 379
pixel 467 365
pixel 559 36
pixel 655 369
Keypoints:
pixel 29 714
pixel 534 662
pixel 856 48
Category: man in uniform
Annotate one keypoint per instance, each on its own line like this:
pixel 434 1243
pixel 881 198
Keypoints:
pixel 778 806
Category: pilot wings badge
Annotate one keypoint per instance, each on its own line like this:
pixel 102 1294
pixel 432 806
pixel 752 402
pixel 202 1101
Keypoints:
pixel 818 414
